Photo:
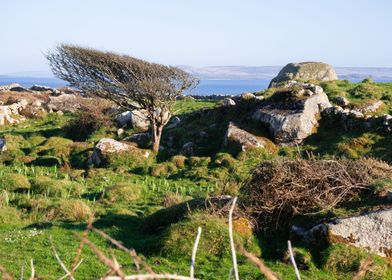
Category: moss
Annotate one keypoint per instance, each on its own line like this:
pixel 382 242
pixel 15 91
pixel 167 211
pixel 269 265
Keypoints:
pixel 347 259
pixel 14 181
pixel 36 140
pixel 70 210
pixel 56 188
pixel 10 215
pixel 225 160
pixel 179 238
pixel 198 161
pixel 355 148
pixel 55 146
pixel 134 160
pixel 123 192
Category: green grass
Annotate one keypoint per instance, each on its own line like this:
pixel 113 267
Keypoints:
pixel 61 195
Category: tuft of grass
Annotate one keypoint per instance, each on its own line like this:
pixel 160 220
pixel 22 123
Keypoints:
pixel 126 192
pixel 56 188
pixel 14 181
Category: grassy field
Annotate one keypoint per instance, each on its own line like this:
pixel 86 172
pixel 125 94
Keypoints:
pixel 48 192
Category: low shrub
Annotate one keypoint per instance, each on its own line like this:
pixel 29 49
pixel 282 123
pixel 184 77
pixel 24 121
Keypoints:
pixel 347 259
pixel 14 181
pixel 70 210
pixel 123 192
pixel 56 188
pixel 282 189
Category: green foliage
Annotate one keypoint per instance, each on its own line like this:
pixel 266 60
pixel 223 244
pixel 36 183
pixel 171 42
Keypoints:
pixel 14 181
pixel 123 192
pixel 56 188
pixel 347 259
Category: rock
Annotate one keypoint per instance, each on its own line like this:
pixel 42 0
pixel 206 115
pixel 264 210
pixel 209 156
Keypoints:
pixel 174 122
pixel 63 102
pixel 292 117
pixel 141 139
pixel 304 71
pixel 9 87
pixel 247 96
pixel 120 131
pixel 372 107
pixel 10 114
pixel 107 146
pixel 239 140
pixel 228 102
pixel 371 231
pixel 136 118
pixel 42 88
pixel 342 101
pixel 188 149
pixel 3 146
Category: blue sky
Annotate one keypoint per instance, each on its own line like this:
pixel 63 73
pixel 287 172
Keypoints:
pixel 200 32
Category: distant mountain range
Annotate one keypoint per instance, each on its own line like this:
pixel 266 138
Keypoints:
pixel 269 72
pixel 250 73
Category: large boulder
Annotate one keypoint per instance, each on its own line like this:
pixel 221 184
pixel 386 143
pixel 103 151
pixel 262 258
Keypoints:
pixel 239 140
pixel 305 71
pixel 136 119
pixel 64 103
pixel 293 113
pixel 371 231
pixel 108 146
pixel 10 114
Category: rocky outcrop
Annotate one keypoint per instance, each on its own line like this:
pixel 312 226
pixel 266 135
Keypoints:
pixel 371 232
pixel 63 102
pixel 227 102
pixel 9 87
pixel 293 113
pixel 305 71
pixel 10 114
pixel 239 140
pixel 136 119
pixel 107 146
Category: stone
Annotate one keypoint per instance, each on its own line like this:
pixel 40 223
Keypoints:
pixel 227 102
pixel 247 96
pixel 63 102
pixel 9 87
pixel 188 149
pixel 120 131
pixel 342 101
pixel 107 146
pixel 371 231
pixel 136 118
pixel 304 71
pixel 3 146
pixel 174 122
pixel 10 114
pixel 142 139
pixel 239 140
pixel 291 117
pixel 372 107
pixel 41 88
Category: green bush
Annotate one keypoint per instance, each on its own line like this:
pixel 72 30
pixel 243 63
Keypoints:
pixel 347 259
pixel 14 181
pixel 123 192
pixel 56 188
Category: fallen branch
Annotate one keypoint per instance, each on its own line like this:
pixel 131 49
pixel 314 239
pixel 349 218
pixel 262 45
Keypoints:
pixel 292 259
pixel 233 253
pixel 193 260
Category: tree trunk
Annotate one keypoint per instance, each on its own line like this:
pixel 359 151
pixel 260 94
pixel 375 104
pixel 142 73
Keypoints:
pixel 156 136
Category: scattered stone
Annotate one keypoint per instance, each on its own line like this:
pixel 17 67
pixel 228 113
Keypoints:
pixel 110 146
pixel 3 146
pixel 373 107
pixel 228 102
pixel 342 101
pixel 64 102
pixel 188 149
pixel 141 139
pixel 174 122
pixel 9 87
pixel 136 118
pixel 305 71
pixel 10 114
pixel 371 231
pixel 41 88
pixel 293 117
pixel 239 140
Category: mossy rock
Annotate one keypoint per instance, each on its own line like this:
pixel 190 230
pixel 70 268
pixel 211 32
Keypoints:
pixel 56 188
pixel 342 258
pixel 14 181
pixel 214 243
pixel 125 192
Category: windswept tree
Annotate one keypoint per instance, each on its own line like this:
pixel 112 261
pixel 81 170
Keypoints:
pixel 131 83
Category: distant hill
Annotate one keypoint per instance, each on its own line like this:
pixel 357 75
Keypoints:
pixel 269 72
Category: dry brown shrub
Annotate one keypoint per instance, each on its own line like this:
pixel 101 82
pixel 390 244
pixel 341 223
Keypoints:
pixel 281 189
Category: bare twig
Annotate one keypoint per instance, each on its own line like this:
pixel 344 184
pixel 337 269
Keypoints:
pixel 6 275
pixel 67 272
pixel 292 259
pixel 268 273
pixel 104 259
pixel 76 267
pixel 32 277
pixel 193 260
pixel 233 253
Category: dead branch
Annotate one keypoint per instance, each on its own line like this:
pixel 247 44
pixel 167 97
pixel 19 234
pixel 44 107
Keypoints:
pixel 231 236
pixel 292 259
pixel 193 260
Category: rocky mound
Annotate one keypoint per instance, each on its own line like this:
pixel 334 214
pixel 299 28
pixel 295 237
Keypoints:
pixel 305 71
